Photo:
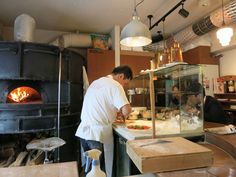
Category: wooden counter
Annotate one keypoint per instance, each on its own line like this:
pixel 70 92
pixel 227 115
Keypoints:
pixel 168 154
pixel 225 142
pixel 223 166
pixel 66 169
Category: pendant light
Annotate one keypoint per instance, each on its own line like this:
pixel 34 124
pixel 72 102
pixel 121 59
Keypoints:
pixel 165 57
pixel 225 33
pixel 135 33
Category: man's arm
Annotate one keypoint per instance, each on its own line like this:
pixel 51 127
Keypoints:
pixel 126 110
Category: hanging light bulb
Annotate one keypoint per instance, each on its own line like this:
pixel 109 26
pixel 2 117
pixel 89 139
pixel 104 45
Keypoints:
pixel 135 33
pixel 225 33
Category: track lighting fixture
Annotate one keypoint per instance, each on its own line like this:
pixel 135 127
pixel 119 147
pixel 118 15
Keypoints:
pixel 184 13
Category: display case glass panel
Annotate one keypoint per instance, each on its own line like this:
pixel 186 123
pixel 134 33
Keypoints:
pixel 178 96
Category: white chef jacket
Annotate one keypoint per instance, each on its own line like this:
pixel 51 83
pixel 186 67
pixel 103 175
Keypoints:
pixel 102 100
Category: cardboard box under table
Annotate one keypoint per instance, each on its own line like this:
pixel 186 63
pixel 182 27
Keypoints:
pixel 168 154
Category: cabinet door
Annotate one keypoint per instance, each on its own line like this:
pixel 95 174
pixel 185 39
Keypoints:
pixel 199 55
pixel 100 63
pixel 137 63
pixel 123 165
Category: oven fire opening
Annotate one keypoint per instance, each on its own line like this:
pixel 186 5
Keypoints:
pixel 23 95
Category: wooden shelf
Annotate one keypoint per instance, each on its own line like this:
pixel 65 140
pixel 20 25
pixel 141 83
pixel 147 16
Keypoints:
pixel 228 77
pixel 225 94
pixel 126 52
pixel 228 109
pixel 138 53
pixel 226 97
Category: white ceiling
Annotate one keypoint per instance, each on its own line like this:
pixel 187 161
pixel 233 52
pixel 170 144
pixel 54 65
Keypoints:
pixel 100 16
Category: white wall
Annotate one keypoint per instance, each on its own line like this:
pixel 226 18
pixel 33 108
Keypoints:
pixel 228 59
pixel 215 45
pixel 228 63
pixel 204 40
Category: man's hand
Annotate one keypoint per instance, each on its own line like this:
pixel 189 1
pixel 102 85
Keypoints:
pixel 120 117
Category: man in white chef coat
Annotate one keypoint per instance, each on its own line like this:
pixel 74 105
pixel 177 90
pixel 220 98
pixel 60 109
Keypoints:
pixel 103 99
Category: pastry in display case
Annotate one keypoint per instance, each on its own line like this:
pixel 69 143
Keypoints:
pixel 177 94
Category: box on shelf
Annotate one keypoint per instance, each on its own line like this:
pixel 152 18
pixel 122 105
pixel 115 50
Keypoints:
pixel 100 41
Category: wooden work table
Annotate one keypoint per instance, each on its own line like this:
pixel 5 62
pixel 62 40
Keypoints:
pixel 224 164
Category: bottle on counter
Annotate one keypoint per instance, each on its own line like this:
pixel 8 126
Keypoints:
pixel 231 88
pixel 225 87
pixel 166 56
pixel 234 86
pixel 93 155
pixel 176 52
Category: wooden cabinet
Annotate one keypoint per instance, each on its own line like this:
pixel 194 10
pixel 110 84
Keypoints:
pixel 101 62
pixel 199 55
pixel 136 60
pixel 228 101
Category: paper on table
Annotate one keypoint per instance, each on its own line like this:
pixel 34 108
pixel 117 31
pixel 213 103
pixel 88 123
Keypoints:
pixel 228 129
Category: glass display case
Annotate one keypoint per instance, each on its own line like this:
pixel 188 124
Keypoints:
pixel 176 94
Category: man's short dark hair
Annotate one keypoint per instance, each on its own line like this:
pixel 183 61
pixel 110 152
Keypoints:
pixel 195 88
pixel 126 70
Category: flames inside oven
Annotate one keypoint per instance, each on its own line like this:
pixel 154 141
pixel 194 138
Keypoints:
pixel 24 94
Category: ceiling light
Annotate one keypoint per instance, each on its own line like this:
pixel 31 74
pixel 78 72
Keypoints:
pixel 203 3
pixel 184 13
pixel 225 33
pixel 135 33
